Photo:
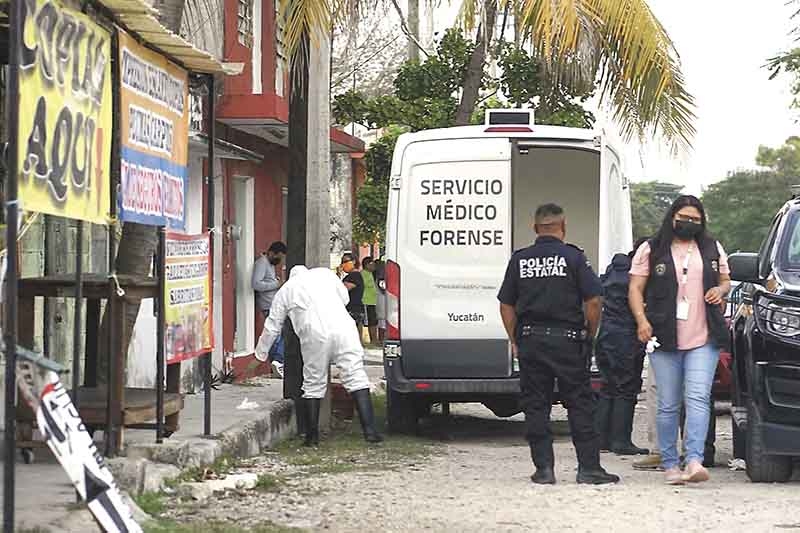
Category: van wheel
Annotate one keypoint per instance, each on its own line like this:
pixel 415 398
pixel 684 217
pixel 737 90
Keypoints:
pixel 402 414
pixel 763 468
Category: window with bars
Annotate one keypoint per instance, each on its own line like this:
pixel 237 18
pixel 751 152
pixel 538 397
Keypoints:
pixel 244 21
pixel 281 61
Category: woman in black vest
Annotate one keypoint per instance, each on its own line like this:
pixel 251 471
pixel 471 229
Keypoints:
pixel 679 280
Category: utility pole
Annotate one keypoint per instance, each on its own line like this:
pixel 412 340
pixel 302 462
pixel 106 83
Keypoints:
pixel 413 27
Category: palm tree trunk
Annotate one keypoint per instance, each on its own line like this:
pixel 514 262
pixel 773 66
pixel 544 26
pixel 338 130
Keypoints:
pixel 477 61
pixel 298 156
pixel 296 201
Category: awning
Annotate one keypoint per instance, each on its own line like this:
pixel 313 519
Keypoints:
pixel 140 18
pixel 223 149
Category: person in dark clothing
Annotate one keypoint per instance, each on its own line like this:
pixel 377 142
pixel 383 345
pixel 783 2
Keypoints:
pixel 355 287
pixel 548 294
pixel 620 359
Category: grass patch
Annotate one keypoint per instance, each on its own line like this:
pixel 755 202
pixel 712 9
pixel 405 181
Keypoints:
pixel 216 527
pixel 269 483
pixel 344 449
pixel 218 469
pixel 151 503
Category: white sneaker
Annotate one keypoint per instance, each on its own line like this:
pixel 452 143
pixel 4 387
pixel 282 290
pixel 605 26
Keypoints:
pixel 277 368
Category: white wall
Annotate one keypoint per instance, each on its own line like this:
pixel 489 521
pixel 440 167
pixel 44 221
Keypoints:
pixel 141 368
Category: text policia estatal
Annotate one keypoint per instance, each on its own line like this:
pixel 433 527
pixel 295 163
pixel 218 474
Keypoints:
pixel 489 191
pixel 61 44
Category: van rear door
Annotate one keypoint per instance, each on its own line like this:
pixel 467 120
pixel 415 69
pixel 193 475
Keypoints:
pixel 454 241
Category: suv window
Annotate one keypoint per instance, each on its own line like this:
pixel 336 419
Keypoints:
pixel 790 250
pixel 765 254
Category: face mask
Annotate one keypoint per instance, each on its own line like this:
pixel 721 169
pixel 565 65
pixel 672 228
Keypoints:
pixel 348 267
pixel 274 260
pixel 687 231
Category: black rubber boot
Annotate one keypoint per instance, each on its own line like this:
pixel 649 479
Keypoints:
pixel 543 458
pixel 589 470
pixel 301 416
pixel 366 415
pixel 622 427
pixel 602 420
pixel 312 410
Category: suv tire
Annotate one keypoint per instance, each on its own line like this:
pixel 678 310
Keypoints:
pixel 402 414
pixel 763 468
pixel 739 441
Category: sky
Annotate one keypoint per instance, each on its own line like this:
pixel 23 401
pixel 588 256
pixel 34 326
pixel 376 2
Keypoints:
pixel 723 46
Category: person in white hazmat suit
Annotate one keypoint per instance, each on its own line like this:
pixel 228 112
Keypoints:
pixel 314 300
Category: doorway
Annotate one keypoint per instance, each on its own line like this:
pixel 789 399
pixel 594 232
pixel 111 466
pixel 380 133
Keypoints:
pixel 242 230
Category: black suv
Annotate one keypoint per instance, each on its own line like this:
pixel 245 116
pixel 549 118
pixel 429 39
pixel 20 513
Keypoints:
pixel 766 351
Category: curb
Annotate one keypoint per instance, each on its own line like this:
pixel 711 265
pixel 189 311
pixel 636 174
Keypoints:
pixel 147 467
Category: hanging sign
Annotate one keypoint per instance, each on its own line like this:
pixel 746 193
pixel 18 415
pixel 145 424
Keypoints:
pixel 187 287
pixel 64 113
pixel 68 439
pixel 154 101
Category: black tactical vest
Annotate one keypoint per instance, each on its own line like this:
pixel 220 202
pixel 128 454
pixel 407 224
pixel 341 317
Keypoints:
pixel 661 297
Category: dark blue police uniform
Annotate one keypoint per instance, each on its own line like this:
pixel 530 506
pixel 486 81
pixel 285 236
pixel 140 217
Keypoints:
pixel 547 283
pixel 620 354
pixel 620 358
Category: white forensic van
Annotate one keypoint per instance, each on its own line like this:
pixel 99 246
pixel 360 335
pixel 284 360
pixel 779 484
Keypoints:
pixel 461 201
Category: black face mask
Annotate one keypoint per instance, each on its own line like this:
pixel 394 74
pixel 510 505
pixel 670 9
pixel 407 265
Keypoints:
pixel 687 231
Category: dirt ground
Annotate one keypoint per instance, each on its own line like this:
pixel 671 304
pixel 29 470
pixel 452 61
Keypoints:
pixel 470 472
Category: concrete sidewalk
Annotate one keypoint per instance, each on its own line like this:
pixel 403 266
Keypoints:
pixel 45 498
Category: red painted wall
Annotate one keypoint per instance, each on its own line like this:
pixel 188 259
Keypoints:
pixel 236 52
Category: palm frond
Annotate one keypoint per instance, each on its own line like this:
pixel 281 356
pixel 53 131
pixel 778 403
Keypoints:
pixel 623 44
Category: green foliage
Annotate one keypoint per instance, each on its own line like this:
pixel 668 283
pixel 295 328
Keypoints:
pixel 151 503
pixel 650 201
pixel 425 97
pixel 525 82
pixel 269 483
pixel 424 93
pixel 788 62
pixel 741 207
pixel 370 219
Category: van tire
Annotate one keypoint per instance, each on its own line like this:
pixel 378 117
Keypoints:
pixel 402 414
pixel 763 468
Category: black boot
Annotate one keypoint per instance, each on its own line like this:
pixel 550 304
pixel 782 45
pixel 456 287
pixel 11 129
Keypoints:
pixel 301 416
pixel 589 470
pixel 542 455
pixel 312 432
pixel 366 415
pixel 602 420
pixel 622 427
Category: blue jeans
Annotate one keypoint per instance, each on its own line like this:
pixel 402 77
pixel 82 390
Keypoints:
pixel 276 353
pixel 683 376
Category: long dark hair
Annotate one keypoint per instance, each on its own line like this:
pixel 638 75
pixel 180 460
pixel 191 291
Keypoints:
pixel 662 241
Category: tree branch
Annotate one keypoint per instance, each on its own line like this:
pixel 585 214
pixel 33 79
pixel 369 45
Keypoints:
pixel 406 31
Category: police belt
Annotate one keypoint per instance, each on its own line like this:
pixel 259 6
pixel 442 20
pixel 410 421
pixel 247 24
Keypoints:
pixel 577 335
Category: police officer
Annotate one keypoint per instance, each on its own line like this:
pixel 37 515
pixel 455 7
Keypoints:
pixel 620 358
pixel 542 301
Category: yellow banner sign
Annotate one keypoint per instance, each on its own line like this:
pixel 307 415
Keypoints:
pixel 64 113
pixel 187 287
